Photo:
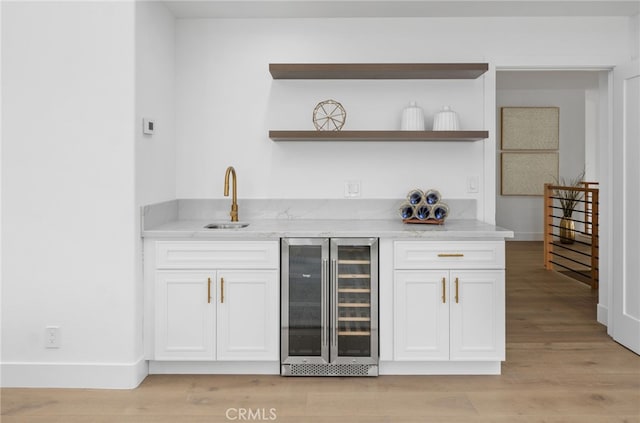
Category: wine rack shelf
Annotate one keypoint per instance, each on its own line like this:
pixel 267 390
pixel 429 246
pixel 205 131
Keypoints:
pixel 355 290
pixel 354 305
pixel 354 333
pixel 354 319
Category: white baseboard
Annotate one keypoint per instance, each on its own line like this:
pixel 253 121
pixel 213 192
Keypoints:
pixel 214 367
pixel 73 375
pixel 440 367
pixel 527 236
pixel 602 315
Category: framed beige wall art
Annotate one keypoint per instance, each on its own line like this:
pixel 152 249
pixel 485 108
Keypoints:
pixel 530 128
pixel 526 173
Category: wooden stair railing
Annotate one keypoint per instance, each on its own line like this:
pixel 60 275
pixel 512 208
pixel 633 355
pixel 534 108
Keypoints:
pixel 575 258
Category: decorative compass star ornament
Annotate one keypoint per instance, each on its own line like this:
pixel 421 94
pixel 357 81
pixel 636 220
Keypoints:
pixel 329 115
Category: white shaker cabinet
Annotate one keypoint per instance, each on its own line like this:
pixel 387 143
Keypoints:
pixel 184 318
pixel 215 301
pixel 421 316
pixel 247 320
pixel 449 301
pixel 477 315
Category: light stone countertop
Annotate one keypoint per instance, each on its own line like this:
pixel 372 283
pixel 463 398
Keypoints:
pixel 314 218
pixel 272 229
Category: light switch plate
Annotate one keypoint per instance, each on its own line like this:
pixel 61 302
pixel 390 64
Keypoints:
pixel 352 189
pixel 472 184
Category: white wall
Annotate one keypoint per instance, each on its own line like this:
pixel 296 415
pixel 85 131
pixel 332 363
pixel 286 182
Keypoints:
pixel 155 98
pixel 227 101
pixel 605 152
pixel 634 36
pixel 68 205
pixel 155 168
pixel 566 90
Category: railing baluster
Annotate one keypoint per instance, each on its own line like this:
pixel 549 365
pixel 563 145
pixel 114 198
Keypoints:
pixel 590 210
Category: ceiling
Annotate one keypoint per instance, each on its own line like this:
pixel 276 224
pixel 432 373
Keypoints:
pixel 398 8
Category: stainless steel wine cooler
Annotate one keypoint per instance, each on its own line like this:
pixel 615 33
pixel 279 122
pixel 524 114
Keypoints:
pixel 329 307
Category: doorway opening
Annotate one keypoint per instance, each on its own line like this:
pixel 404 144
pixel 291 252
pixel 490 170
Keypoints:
pixel 583 99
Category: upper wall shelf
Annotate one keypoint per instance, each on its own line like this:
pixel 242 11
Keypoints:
pixel 378 135
pixel 377 70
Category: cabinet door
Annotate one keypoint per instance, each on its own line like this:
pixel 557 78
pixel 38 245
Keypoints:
pixel 477 315
pixel 421 302
pixel 184 316
pixel 247 311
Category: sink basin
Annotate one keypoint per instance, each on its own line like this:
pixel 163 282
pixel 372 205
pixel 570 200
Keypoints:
pixel 226 225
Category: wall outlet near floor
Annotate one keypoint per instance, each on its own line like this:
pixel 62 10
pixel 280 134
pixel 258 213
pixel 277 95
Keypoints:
pixel 352 189
pixel 52 337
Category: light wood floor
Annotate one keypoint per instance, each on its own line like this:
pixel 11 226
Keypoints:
pixel 561 368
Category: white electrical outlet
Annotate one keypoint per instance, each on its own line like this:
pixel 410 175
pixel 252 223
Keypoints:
pixel 352 189
pixel 52 337
pixel 472 184
pixel 148 126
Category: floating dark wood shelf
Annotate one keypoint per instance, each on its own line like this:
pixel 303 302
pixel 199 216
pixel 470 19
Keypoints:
pixel 377 70
pixel 378 135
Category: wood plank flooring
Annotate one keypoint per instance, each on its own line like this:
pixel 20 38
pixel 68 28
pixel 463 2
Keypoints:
pixel 561 368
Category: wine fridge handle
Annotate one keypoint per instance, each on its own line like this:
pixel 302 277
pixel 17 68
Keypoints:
pixel 323 300
pixel 334 307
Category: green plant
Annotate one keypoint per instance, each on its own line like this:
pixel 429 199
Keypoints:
pixel 568 197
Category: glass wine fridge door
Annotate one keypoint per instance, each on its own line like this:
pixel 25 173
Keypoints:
pixel 354 308
pixel 305 301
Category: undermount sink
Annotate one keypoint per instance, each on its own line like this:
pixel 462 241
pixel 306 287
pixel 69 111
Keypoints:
pixel 226 225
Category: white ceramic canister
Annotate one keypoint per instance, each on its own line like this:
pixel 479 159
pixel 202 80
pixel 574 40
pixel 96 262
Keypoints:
pixel 446 120
pixel 412 118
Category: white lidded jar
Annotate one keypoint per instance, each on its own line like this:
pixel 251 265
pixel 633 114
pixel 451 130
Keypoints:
pixel 446 120
pixel 412 118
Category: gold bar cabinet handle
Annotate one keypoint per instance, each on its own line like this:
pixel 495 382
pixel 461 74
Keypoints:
pixel 450 255
pixel 444 292
pixel 221 290
pixel 208 290
pixel 457 290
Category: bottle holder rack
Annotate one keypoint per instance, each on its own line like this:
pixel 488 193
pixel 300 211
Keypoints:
pixel 412 209
pixel 425 221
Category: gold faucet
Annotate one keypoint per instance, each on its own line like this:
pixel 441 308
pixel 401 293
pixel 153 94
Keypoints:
pixel 234 199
